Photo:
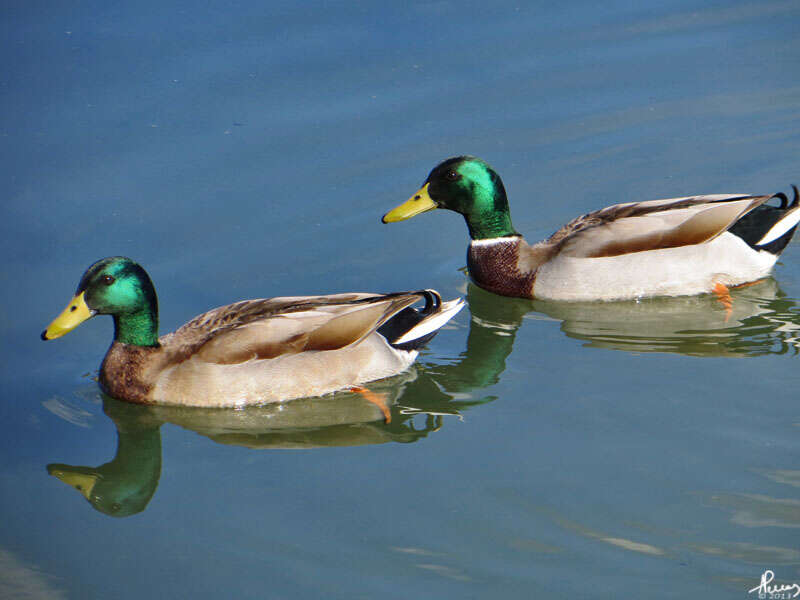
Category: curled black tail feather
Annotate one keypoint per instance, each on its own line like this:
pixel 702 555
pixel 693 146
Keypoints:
pixel 433 301
pixel 752 227
pixel 785 199
pixel 408 318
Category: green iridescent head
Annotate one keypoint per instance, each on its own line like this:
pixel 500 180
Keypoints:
pixel 119 287
pixel 466 185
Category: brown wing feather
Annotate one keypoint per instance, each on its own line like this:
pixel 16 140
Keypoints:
pixel 218 320
pixel 267 328
pixel 353 326
pixel 657 224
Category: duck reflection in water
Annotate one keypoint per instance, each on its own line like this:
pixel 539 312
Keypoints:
pixel 761 320
pixel 125 485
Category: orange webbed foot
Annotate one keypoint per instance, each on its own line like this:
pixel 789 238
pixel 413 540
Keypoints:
pixel 724 297
pixel 748 284
pixel 376 399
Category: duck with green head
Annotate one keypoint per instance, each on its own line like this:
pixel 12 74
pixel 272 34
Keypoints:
pixel 671 247
pixel 250 352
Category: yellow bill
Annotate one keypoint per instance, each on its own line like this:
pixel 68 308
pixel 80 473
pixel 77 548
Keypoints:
pixel 76 313
pixel 418 203
pixel 83 482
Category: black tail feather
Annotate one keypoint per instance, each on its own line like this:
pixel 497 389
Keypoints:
pixel 754 225
pixel 408 318
pixel 782 197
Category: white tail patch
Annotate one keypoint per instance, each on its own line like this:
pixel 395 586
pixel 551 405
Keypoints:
pixel 789 220
pixel 433 322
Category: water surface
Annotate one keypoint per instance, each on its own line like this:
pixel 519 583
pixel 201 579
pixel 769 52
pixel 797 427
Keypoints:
pixel 243 149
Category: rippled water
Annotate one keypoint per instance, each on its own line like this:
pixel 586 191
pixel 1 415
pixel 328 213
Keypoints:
pixel 242 149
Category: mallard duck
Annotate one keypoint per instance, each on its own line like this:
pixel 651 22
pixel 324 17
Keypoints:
pixel 250 352
pixel 672 247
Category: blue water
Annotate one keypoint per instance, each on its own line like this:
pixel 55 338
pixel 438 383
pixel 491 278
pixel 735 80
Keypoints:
pixel 248 149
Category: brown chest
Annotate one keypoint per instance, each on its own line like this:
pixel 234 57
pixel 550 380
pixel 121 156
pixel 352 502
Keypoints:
pixel 124 370
pixel 495 267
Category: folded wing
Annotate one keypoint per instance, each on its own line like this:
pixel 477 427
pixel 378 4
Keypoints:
pixel 638 227
pixel 268 328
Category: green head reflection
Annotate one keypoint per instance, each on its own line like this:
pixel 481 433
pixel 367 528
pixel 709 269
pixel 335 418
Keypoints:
pixel 124 485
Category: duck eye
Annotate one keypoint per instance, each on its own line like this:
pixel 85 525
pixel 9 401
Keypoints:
pixel 107 279
pixel 451 176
